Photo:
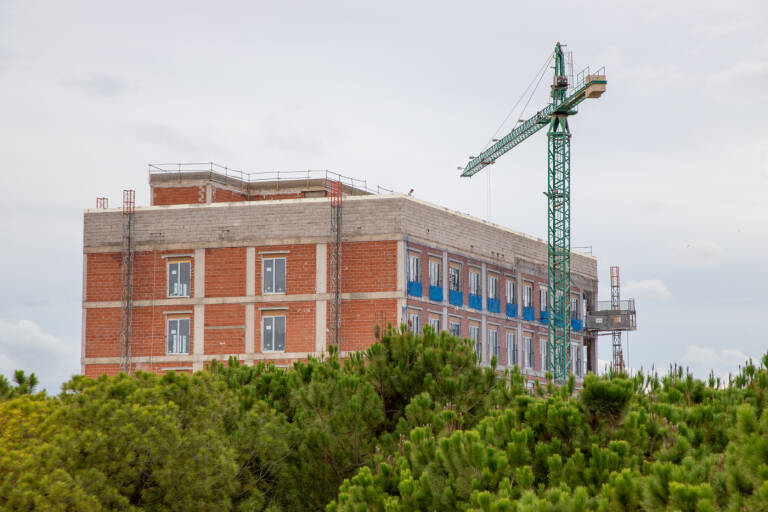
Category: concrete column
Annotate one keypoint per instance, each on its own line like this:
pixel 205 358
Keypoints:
pixel 484 324
pixel 402 258
pixel 321 306
pixel 250 272
pixel 250 333
pixel 199 309
pixel 208 193
pixel 445 318
pixel 445 278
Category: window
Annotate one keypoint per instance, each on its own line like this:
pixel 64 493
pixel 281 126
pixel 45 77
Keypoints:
pixel 435 273
pixel 543 355
pixel 178 336
pixel 455 328
pixel 493 344
pixel 579 361
pixel 474 282
pixel 414 268
pixel 435 324
pixel 511 349
pixel 274 275
pixel 179 278
pixel 511 292
pixel 474 335
pixel 454 278
pixel 493 287
pixel 543 299
pixel 273 334
pixel 528 342
pixel 527 296
pixel 575 306
pixel 414 322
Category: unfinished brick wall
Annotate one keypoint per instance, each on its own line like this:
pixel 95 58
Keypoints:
pixel 299 324
pixel 225 329
pixel 225 272
pixel 300 267
pixel 367 266
pixel 359 318
pixel 186 194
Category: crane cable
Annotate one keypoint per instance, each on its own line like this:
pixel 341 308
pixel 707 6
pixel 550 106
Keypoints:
pixel 536 78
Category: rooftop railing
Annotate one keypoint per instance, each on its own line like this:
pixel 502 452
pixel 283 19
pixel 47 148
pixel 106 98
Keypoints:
pixel 216 172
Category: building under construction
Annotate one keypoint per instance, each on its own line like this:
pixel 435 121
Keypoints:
pixel 277 267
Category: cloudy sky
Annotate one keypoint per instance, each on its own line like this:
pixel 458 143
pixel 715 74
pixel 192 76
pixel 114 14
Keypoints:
pixel 669 167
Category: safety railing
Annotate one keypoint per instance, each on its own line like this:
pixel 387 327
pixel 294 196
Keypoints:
pixel 216 172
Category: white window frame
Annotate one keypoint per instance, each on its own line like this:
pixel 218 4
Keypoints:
pixel 457 331
pixel 543 299
pixel 580 360
pixel 510 285
pixel 474 335
pixel 493 286
pixel 272 321
pixel 414 268
pixel 273 276
pixel 435 324
pixel 575 313
pixel 414 319
pixel 529 355
pixel 435 273
pixel 494 349
pixel 474 283
pixel 177 288
pixel 178 345
pixel 454 282
pixel 542 355
pixel 512 355
pixel 527 295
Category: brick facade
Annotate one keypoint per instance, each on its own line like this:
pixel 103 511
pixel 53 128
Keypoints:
pixel 226 234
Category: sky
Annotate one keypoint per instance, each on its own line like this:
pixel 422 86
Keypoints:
pixel 669 167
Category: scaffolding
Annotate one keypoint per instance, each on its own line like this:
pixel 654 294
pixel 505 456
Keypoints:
pixel 617 364
pixel 126 289
pixel 334 332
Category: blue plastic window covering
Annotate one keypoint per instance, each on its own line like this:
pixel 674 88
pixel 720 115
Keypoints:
pixel 494 305
pixel 436 293
pixel 475 301
pixel 456 298
pixel 528 314
pixel 511 310
pixel 544 317
pixel 414 288
pixel 577 324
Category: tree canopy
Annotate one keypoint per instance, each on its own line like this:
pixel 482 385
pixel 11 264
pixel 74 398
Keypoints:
pixel 412 423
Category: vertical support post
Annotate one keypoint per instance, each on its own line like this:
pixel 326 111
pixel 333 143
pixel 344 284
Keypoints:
pixel 334 264
pixel 126 289
pixel 559 228
pixel 617 364
pixel 559 247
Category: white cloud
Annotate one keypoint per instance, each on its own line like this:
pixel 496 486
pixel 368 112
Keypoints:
pixel 651 289
pixel 702 360
pixel 24 346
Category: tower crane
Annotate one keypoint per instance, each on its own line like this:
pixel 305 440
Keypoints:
pixel 565 99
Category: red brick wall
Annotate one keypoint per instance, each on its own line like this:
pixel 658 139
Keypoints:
pixel 225 341
pixel 96 370
pixel 102 330
pixel 367 266
pixel 223 195
pixel 299 267
pixel 188 194
pixel 225 272
pixel 358 318
pixel 103 277
pixel 299 324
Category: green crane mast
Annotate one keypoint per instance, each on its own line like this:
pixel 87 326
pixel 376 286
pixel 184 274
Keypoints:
pixel 565 100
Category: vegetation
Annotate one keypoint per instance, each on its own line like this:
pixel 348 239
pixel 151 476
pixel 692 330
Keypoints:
pixel 411 424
